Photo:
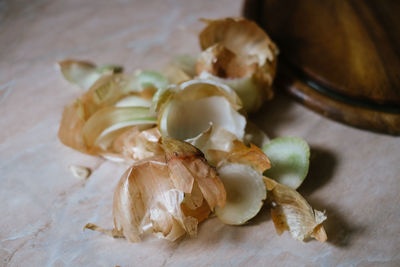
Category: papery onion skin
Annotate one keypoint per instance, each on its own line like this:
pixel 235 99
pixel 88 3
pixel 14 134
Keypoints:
pixel 168 194
pixel 188 163
pixel 291 212
pixel 145 196
pixel 236 48
pixel 104 93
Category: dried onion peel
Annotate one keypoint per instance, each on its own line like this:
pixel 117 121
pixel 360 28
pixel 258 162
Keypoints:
pixel 239 53
pixel 241 171
pixel 168 194
pixel 291 212
pixel 123 91
pixel 171 185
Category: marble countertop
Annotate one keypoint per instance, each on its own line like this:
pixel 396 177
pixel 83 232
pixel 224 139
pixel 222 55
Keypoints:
pixel 354 175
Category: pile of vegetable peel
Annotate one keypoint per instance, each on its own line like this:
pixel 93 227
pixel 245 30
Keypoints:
pixel 184 134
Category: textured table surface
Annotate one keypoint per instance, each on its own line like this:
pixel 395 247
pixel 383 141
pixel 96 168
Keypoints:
pixel 354 176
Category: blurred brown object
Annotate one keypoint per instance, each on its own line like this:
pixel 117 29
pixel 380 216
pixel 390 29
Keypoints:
pixel 340 58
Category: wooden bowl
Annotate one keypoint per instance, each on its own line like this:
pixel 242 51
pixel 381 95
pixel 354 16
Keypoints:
pixel 340 58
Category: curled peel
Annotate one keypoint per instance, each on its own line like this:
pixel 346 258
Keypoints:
pixel 291 212
pixel 240 168
pixel 242 55
pixel 245 193
pixel 188 109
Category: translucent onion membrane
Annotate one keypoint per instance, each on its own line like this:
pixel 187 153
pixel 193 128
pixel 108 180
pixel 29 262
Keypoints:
pixel 239 53
pixel 188 109
pixel 248 89
pixel 291 212
pixel 83 73
pixel 290 158
pixel 167 195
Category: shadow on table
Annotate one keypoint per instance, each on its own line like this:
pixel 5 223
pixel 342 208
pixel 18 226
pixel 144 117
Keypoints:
pixel 341 231
pixel 322 169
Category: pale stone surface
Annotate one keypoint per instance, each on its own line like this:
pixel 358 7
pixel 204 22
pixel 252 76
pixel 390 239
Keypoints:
pixel 355 175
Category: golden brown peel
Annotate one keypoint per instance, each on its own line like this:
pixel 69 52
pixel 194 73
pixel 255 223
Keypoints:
pixel 237 50
pixel 188 164
pixel 94 110
pixel 291 212
pixel 167 195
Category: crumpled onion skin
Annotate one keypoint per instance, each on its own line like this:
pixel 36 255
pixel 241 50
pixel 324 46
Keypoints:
pixel 101 97
pixel 187 163
pixel 236 48
pixel 168 195
pixel 291 212
pixel 133 145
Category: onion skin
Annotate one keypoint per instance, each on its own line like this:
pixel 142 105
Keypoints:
pixel 167 194
pixel 291 212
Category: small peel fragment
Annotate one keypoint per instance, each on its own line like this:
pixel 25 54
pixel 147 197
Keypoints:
pixel 291 212
pixel 113 232
pixel 80 172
